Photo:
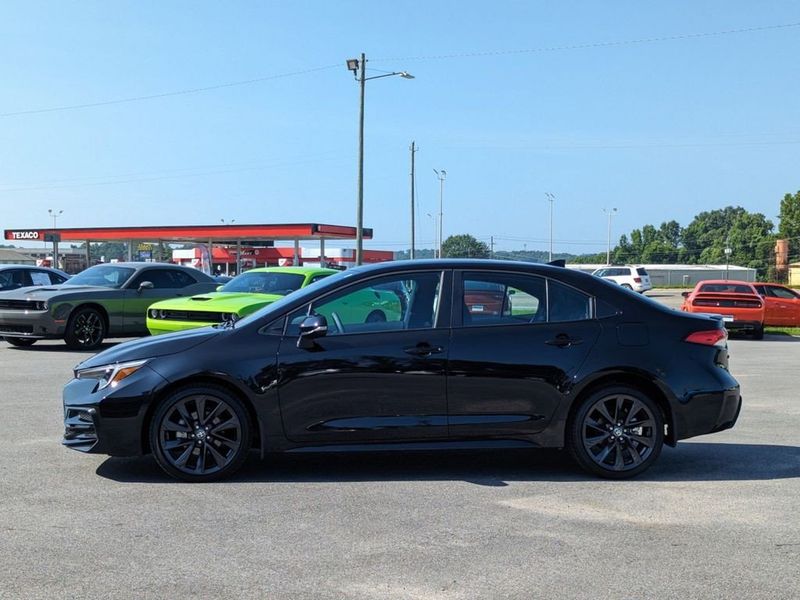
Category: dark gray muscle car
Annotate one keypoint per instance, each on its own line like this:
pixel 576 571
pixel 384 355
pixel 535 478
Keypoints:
pixel 108 299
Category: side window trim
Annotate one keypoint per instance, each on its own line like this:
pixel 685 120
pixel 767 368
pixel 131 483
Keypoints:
pixel 442 303
pixel 458 296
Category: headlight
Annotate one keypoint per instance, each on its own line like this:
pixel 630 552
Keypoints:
pixel 110 375
pixel 40 305
pixel 153 313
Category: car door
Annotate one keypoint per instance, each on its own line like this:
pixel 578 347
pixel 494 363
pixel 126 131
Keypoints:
pixel 507 373
pixel 370 379
pixel 166 283
pixel 785 304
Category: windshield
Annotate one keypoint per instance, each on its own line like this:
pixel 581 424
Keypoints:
pixel 109 276
pixel 265 283
pixel 304 294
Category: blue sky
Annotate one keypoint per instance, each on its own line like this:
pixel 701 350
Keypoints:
pixel 659 130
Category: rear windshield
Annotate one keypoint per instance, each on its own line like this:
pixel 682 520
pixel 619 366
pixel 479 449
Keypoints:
pixel 726 288
pixel 641 271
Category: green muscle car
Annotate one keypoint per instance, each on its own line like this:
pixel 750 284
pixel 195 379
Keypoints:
pixel 241 296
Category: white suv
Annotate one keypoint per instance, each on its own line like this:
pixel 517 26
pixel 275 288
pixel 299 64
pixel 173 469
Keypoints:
pixel 633 278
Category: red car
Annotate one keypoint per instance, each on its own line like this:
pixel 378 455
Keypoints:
pixel 738 302
pixel 782 304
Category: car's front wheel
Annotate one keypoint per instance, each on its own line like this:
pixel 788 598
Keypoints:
pixel 200 433
pixel 617 432
pixel 20 342
pixel 86 329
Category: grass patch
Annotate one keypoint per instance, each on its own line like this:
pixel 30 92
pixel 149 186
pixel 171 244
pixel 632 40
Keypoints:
pixel 783 330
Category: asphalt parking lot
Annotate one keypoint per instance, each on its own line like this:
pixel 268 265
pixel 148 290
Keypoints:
pixel 716 517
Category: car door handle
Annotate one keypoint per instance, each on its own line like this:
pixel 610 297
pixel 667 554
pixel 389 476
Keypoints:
pixel 423 350
pixel 562 340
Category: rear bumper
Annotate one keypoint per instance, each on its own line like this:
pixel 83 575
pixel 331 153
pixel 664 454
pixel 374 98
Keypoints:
pixel 743 325
pixel 707 412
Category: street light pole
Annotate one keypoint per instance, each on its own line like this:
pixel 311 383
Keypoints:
pixel 441 176
pixel 728 252
pixel 551 198
pixel 610 212
pixel 55 214
pixel 359 69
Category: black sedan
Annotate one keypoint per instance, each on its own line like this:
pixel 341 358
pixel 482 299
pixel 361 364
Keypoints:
pixel 109 299
pixel 567 361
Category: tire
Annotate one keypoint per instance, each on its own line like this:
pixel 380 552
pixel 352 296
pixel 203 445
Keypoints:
pixel 758 333
pixel 376 316
pixel 200 433
pixel 20 342
pixel 610 448
pixel 86 329
pixel 626 286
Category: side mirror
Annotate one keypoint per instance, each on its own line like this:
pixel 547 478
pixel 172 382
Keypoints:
pixel 145 285
pixel 685 294
pixel 312 327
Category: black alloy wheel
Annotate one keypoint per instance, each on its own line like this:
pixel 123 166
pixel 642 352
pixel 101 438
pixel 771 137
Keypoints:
pixel 617 432
pixel 758 333
pixel 200 433
pixel 20 342
pixel 86 329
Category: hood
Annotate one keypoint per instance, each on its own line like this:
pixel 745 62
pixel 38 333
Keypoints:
pixel 234 302
pixel 152 347
pixel 50 291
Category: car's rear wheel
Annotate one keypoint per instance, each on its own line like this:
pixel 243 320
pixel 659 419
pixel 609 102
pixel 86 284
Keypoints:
pixel 758 333
pixel 200 433
pixel 617 432
pixel 627 286
pixel 86 329
pixel 20 342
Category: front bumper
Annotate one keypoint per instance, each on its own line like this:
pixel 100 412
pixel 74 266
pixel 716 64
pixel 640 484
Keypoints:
pixel 707 412
pixel 109 421
pixel 158 326
pixel 34 324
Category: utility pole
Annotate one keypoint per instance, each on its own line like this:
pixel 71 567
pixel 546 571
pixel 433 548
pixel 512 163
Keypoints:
pixel 413 150
pixel 610 212
pixel 550 198
pixel 55 214
pixel 441 176
pixel 491 246
pixel 362 70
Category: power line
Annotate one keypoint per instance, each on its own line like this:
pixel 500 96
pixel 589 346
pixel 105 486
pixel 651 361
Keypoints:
pixel 207 88
pixel 168 94
pixel 670 38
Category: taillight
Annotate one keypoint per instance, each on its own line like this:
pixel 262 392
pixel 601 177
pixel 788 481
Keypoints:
pixel 637 279
pixel 712 337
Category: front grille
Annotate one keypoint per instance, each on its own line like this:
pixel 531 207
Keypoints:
pixel 20 305
pixel 16 328
pixel 79 428
pixel 190 315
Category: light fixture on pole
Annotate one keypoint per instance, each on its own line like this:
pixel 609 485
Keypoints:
pixel 550 198
pixel 728 252
pixel 359 68
pixel 441 176
pixel 610 212
pixel 435 232
pixel 55 214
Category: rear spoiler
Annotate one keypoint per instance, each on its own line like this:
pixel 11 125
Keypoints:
pixel 558 263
